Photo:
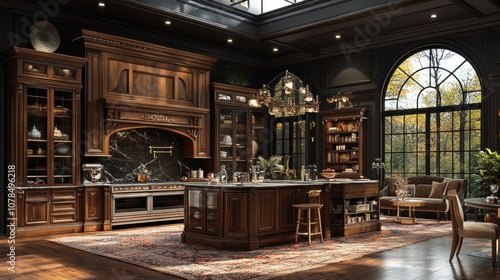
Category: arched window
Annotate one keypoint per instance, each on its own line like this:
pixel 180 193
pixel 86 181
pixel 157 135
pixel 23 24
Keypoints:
pixel 432 115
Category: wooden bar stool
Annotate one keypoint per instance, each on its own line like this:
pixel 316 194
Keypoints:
pixel 309 221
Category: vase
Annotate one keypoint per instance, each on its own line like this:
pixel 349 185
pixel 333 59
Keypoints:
pixel 255 149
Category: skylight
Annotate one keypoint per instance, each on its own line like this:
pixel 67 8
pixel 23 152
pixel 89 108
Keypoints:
pixel 257 7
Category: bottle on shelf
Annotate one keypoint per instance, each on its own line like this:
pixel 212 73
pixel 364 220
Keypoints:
pixel 302 173
pixel 223 174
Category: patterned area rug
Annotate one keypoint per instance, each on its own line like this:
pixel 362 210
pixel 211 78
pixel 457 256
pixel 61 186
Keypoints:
pixel 160 248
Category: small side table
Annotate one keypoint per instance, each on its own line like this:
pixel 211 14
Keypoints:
pixel 411 204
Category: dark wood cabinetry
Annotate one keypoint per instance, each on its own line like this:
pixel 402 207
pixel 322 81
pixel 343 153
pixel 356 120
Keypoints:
pixel 236 214
pixel 44 140
pixel 251 216
pixel 240 133
pixel 344 136
pixel 45 111
pixel 97 207
pixel 132 84
pixel 354 208
pixel 267 201
pixel 37 208
pixel 242 217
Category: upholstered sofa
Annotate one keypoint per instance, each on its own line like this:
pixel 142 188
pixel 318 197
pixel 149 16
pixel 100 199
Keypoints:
pixel 431 189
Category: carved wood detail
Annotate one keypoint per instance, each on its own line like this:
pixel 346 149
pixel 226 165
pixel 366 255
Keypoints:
pixel 145 85
pixel 157 117
pixel 193 132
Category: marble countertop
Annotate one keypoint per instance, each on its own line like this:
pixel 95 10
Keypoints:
pixel 282 183
pixel 267 183
pixel 147 184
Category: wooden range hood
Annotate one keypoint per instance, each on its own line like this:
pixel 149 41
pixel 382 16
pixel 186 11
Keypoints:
pixel 131 84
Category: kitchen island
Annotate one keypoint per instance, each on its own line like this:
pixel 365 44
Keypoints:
pixel 252 216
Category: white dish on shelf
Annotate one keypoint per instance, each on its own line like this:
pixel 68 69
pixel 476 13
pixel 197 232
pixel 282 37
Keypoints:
pixel 227 140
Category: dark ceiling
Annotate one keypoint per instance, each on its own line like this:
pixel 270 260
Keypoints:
pixel 303 31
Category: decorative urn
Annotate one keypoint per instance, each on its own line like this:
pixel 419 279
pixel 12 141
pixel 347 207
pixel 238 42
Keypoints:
pixel 92 172
pixel 34 133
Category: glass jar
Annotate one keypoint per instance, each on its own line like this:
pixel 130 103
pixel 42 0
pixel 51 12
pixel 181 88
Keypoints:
pixel 223 174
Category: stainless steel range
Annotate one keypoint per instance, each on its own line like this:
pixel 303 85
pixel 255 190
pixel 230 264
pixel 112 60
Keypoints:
pixel 144 203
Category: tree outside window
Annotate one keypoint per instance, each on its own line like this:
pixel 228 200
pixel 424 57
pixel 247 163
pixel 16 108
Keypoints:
pixel 432 116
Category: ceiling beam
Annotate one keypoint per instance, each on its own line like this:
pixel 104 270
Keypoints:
pixel 468 7
pixel 495 3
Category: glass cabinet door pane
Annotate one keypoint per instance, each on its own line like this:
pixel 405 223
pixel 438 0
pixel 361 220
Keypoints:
pixel 195 210
pixel 241 141
pixel 226 138
pixel 212 211
pixel 63 128
pixel 260 135
pixel 36 146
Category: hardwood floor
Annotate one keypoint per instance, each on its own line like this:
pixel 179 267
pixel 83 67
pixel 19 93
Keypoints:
pixel 37 258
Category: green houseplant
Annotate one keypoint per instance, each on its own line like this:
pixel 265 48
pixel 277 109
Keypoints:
pixel 271 166
pixel 488 167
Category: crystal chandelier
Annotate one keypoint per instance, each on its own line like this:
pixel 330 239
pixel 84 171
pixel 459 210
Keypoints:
pixel 286 96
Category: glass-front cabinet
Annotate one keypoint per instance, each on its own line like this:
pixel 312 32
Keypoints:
pixel 46 88
pixel 203 211
pixel 43 139
pixel 46 94
pixel 49 144
pixel 233 139
pixel 240 132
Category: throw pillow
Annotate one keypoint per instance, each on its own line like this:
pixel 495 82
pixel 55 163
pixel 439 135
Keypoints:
pixel 454 184
pixel 438 189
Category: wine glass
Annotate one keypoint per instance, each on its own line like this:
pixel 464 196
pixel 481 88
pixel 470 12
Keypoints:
pixel 494 189
pixel 410 192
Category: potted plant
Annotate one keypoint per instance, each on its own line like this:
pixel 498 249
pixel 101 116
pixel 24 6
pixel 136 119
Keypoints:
pixel 488 167
pixel 271 166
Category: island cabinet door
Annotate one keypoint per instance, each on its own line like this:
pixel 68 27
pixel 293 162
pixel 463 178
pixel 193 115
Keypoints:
pixel 236 214
pixel 194 209
pixel 287 214
pixel 267 211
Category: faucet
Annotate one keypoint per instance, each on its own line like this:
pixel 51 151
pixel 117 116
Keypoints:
pixel 290 173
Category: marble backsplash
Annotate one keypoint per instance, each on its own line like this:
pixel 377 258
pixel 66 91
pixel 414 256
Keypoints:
pixel 130 152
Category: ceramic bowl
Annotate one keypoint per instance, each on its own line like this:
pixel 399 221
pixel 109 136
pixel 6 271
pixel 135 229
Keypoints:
pixel 62 149
pixel 223 154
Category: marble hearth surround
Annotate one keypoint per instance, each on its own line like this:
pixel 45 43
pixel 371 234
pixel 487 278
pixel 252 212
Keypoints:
pixel 129 150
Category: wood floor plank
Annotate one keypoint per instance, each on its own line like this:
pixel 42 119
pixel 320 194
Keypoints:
pixel 38 258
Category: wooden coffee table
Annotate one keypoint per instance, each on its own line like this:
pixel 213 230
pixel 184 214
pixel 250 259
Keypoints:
pixel 411 204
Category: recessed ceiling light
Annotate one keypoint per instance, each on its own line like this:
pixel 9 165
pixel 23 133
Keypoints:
pixel 434 16
pixel 275 49
pixel 337 36
pixel 101 4
pixel 168 22
pixel 229 40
